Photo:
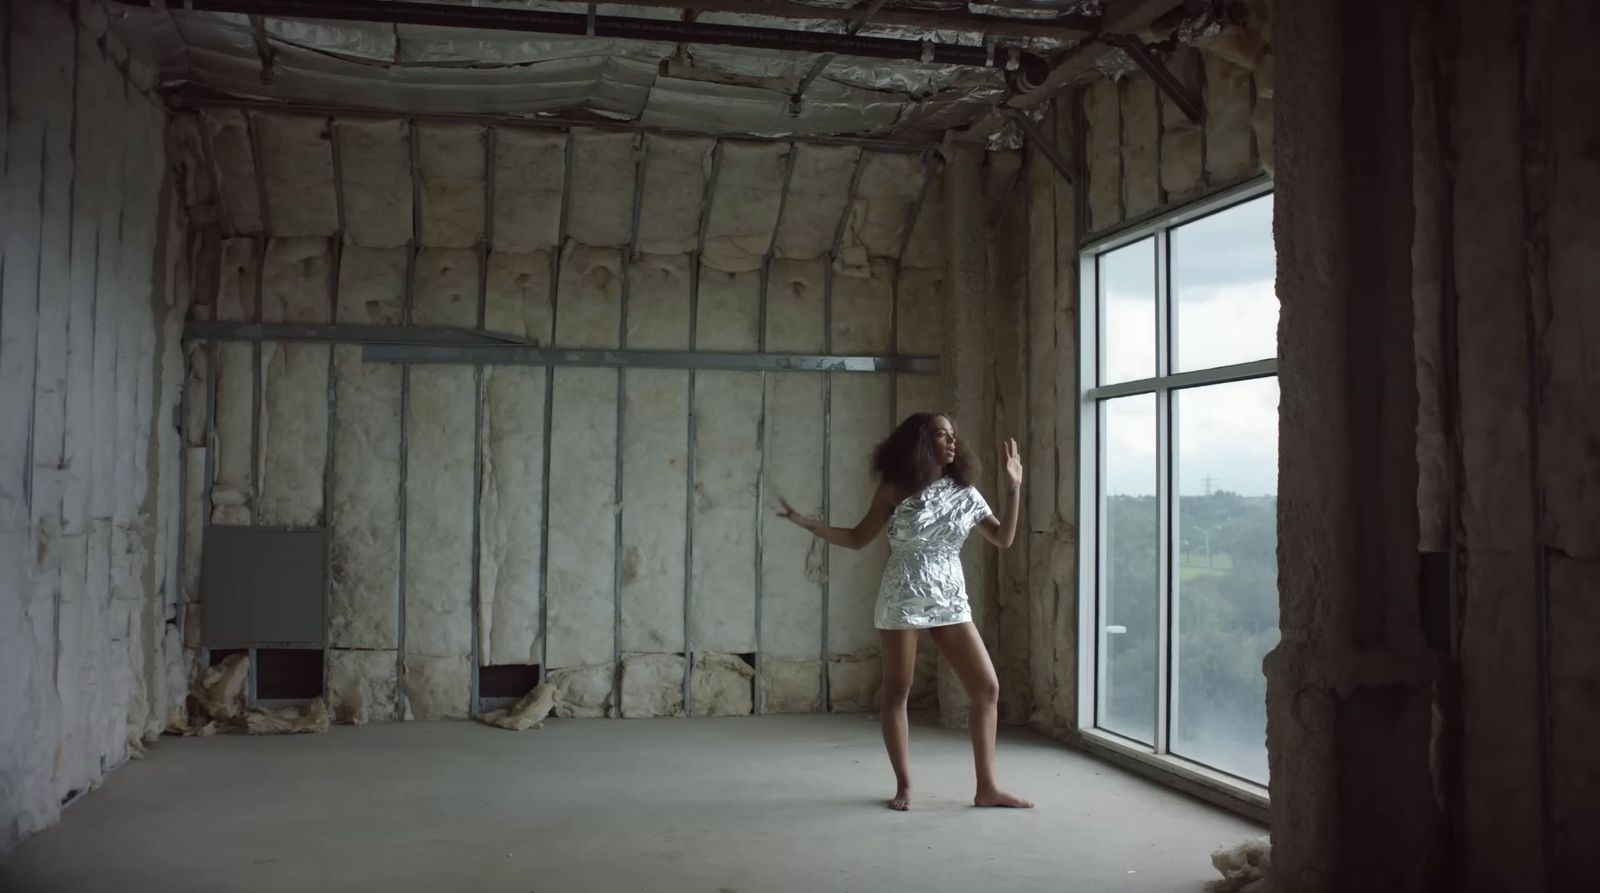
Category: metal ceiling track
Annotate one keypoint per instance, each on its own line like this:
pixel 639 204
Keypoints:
pixel 620 27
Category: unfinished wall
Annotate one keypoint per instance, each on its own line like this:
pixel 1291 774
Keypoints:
pixel 600 524
pixel 1446 118
pixel 95 279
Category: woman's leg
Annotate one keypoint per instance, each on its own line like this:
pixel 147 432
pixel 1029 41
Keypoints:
pixel 963 648
pixel 899 667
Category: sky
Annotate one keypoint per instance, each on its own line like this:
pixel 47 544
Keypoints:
pixel 1225 311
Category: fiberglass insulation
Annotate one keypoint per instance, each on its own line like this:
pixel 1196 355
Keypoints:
pixel 292 429
pixel 860 419
pixel 517 295
pixel 510 513
pixel 676 169
pixel 1141 140
pixel 862 308
pixel 88 624
pixel 818 192
pixel 580 591
pixel 658 302
pixel 791 568
pixel 438 560
pixel 589 307
pixel 796 299
pixel 375 169
pixel 450 165
pixel 600 209
pixel 297 173
pixel 727 415
pixel 890 183
pixel 652 685
pixel 529 178
pixel 654 496
pixel 744 208
pixel 729 311
pixel 234 160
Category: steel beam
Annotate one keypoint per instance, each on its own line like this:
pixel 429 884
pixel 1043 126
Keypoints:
pixel 264 50
pixel 498 18
pixel 1062 27
pixel 1184 98
pixel 435 354
pixel 1121 17
pixel 206 330
pixel 854 27
pixel 1044 144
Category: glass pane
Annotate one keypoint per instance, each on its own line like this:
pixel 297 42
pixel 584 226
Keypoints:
pixel 1128 278
pixel 1129 608
pixel 1226 568
pixel 1223 296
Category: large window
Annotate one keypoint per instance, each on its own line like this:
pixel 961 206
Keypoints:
pixel 1180 470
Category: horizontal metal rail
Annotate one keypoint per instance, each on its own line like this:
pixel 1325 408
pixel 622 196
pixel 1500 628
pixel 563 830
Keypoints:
pixel 428 345
pixel 642 359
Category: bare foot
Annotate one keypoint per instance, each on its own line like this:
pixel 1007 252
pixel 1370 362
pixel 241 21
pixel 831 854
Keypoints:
pixel 1000 798
pixel 901 801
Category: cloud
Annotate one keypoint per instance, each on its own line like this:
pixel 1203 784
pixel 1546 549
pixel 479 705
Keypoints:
pixel 1226 248
pixel 1225 311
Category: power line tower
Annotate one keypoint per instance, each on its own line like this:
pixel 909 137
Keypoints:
pixel 1210 484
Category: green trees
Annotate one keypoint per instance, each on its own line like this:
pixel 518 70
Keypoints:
pixel 1225 620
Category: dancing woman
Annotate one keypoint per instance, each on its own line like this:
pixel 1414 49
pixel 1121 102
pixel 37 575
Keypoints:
pixel 926 498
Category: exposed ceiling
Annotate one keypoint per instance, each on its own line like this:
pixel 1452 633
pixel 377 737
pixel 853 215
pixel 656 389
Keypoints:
pixel 904 69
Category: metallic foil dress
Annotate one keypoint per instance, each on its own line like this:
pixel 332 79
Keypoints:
pixel 923 584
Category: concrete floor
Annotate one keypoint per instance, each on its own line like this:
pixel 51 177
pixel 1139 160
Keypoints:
pixel 750 805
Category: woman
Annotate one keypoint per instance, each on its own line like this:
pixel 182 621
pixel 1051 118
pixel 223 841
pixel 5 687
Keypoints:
pixel 925 496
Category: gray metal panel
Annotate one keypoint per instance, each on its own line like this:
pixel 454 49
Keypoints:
pixel 263 587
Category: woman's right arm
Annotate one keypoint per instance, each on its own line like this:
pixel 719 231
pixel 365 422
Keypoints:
pixel 857 537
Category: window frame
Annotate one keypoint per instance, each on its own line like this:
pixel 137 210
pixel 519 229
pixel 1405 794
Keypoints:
pixel 1092 563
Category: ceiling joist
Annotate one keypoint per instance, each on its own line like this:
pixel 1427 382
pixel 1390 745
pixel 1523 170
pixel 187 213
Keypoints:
pixel 1066 27
pixel 618 27
pixel 1121 18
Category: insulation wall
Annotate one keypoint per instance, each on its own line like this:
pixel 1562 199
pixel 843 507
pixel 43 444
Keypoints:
pixel 1143 155
pixel 90 371
pixel 645 529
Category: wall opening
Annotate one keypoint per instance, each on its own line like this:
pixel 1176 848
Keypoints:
pixel 288 674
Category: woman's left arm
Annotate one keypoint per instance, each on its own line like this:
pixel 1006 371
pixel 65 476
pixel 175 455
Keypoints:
pixel 1004 532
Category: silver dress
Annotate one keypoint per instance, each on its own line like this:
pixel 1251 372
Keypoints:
pixel 923 584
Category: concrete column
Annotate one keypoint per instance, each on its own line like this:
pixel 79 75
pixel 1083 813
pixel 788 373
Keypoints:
pixel 1349 693
pixel 964 369
pixel 1566 74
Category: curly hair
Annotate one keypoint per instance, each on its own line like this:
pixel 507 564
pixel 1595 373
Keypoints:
pixel 907 461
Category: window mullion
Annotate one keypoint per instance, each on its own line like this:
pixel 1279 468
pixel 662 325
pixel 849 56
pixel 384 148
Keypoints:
pixel 1163 491
pixel 1090 502
pixel 1102 616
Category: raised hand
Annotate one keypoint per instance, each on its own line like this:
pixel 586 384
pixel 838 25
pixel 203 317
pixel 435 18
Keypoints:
pixel 794 517
pixel 1011 461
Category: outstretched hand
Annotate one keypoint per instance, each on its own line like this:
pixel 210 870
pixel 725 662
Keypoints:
pixel 794 517
pixel 1011 461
